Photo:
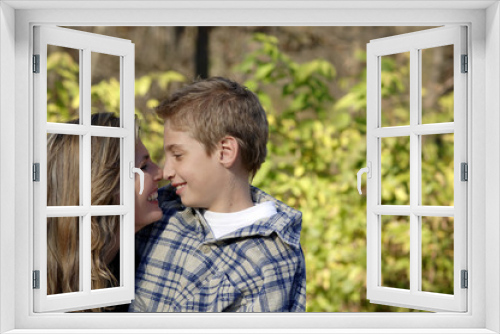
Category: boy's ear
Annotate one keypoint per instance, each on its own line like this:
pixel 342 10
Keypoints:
pixel 228 151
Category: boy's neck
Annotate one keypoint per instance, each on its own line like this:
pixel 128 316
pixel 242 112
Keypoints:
pixel 236 197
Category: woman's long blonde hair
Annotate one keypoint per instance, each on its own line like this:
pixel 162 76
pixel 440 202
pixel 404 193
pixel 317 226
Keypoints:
pixel 63 235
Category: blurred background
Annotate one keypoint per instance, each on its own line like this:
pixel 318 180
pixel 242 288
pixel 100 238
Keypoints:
pixel 312 84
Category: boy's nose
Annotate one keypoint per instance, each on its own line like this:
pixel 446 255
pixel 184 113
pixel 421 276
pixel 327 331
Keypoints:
pixel 168 173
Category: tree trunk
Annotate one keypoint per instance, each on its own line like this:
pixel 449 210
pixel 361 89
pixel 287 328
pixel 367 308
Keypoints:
pixel 201 53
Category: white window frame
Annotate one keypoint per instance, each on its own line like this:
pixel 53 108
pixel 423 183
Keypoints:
pixel 414 296
pixel 483 20
pixel 86 43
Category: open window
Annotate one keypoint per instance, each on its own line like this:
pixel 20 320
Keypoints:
pixel 409 131
pixel 407 138
pixel 16 144
pixel 57 214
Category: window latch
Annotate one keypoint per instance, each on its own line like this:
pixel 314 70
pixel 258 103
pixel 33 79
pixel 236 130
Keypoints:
pixel 138 171
pixel 368 171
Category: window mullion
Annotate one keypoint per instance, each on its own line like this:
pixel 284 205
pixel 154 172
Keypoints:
pixel 373 184
pixel 415 244
pixel 86 167
pixel 127 156
pixel 85 257
pixel 81 221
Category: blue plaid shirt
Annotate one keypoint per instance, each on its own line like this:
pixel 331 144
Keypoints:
pixel 258 268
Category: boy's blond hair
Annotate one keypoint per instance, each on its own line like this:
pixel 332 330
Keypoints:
pixel 216 107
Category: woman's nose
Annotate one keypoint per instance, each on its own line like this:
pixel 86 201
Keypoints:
pixel 158 173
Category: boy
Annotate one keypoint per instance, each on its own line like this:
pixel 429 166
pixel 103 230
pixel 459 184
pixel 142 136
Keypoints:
pixel 222 244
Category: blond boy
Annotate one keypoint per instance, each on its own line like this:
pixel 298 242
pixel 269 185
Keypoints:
pixel 222 245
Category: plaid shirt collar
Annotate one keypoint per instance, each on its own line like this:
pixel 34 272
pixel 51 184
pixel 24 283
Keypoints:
pixel 286 223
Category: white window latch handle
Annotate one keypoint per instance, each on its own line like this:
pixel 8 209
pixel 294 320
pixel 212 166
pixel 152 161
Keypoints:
pixel 138 171
pixel 368 171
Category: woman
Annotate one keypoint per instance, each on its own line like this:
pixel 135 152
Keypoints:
pixel 62 190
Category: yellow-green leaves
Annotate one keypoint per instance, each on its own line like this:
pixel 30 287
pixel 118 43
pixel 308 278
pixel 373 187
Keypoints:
pixel 317 144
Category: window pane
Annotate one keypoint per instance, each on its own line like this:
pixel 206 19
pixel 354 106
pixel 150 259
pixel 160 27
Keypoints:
pixel 437 254
pixel 395 252
pixel 63 255
pixel 105 84
pixel 437 84
pixel 63 84
pixel 395 170
pixel 395 89
pixel 105 257
pixel 63 170
pixel 437 169
pixel 105 185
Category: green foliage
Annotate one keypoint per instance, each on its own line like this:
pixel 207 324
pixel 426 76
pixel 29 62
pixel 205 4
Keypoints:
pixel 317 144
pixel 395 89
pixel 151 125
pixel 63 97
pixel 315 150
pixel 395 170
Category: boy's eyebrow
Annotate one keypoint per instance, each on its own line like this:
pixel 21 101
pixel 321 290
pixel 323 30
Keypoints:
pixel 170 147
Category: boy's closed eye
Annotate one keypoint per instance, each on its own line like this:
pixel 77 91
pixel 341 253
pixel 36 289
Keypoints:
pixel 175 153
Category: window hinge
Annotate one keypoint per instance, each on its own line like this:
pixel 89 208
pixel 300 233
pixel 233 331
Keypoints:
pixel 36 63
pixel 465 279
pixel 464 172
pixel 465 64
pixel 36 172
pixel 36 279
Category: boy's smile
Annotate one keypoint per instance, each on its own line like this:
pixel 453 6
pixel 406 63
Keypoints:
pixel 179 188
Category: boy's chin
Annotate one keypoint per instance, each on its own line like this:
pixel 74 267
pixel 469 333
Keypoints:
pixel 192 204
pixel 188 204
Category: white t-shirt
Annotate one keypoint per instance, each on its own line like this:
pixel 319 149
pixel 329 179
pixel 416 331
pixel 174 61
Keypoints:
pixel 224 223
